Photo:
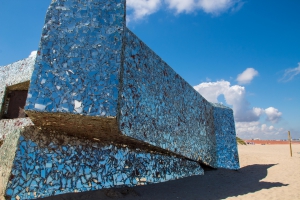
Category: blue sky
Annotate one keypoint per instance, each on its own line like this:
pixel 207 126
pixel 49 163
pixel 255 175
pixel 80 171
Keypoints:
pixel 245 54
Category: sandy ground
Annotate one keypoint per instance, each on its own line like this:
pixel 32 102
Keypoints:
pixel 267 142
pixel 267 172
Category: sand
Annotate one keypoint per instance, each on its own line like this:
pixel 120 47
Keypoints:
pixel 267 172
pixel 267 142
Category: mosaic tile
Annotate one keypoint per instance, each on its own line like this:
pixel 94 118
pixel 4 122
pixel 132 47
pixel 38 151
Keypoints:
pixel 159 107
pixel 227 152
pixel 108 112
pixel 78 63
pixel 49 164
pixel 148 101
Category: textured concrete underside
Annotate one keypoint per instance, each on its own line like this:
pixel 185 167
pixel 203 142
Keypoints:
pixel 92 128
pixel 78 125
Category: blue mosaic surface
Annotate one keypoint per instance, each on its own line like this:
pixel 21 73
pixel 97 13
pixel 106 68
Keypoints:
pixel 79 57
pixel 49 164
pixel 227 152
pixel 90 64
pixel 161 108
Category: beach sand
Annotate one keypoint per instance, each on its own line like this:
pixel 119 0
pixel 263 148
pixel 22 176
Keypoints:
pixel 267 172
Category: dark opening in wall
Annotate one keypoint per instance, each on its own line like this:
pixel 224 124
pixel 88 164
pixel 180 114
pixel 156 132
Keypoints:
pixel 14 101
pixel 17 100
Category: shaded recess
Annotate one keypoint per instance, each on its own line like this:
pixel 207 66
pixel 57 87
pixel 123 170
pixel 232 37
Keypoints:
pixel 14 101
pixel 92 128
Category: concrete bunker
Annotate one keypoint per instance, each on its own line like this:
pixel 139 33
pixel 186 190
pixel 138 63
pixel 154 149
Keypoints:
pixel 14 101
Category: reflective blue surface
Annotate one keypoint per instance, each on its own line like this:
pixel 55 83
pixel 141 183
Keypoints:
pixel 79 57
pixel 51 164
pixel 90 64
pixel 227 152
pixel 161 108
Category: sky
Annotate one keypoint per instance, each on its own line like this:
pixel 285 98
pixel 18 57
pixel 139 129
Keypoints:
pixel 244 54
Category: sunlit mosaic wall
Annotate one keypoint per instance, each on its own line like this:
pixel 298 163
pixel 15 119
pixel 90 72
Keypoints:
pixel 49 164
pixel 162 109
pixel 79 57
pixel 227 153
pixel 136 121
pixel 124 80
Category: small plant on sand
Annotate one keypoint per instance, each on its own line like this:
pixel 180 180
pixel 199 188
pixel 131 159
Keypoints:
pixel 240 141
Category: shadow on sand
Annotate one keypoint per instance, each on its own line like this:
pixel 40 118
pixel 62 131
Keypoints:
pixel 215 184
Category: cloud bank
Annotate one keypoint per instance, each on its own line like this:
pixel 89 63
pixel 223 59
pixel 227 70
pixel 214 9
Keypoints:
pixel 138 9
pixel 247 118
pixel 248 130
pixel 209 6
pixel 234 95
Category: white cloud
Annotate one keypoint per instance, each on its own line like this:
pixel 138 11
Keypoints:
pixel 234 95
pixel 247 76
pixel 138 9
pixel 289 74
pixel 273 115
pixel 216 6
pixel 247 118
pixel 258 111
pixel 209 6
pixel 141 8
pixel 181 6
